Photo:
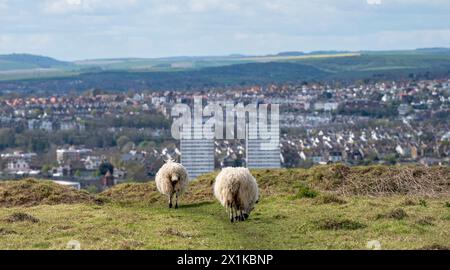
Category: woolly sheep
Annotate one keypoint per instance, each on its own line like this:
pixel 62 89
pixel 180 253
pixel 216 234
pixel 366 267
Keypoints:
pixel 237 191
pixel 172 179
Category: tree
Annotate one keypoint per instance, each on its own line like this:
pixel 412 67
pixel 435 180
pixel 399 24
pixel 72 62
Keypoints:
pixel 105 167
pixel 45 169
pixel 122 140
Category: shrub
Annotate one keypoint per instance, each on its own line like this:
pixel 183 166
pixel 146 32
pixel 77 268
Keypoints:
pixel 306 192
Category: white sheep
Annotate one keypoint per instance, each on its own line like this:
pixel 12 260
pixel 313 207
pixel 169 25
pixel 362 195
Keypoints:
pixel 172 179
pixel 237 191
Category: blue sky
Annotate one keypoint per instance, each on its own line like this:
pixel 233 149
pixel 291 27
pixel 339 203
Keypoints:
pixel 86 29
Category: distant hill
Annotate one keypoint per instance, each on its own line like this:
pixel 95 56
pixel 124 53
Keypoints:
pixel 298 53
pixel 290 54
pixel 434 50
pixel 328 52
pixel 29 61
pixel 29 73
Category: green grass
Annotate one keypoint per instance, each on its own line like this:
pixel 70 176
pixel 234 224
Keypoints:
pixel 317 208
pixel 276 223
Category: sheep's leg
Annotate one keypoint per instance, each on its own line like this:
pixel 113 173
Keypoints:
pixel 231 214
pixel 170 200
pixel 241 215
pixel 176 201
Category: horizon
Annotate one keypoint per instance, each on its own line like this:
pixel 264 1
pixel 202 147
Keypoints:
pixel 98 29
pixel 227 55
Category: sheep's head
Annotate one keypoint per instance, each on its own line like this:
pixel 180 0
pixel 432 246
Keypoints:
pixel 250 208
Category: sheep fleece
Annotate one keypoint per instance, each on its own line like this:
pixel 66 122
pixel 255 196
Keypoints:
pixel 236 187
pixel 163 178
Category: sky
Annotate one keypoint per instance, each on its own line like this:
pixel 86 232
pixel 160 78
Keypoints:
pixel 89 29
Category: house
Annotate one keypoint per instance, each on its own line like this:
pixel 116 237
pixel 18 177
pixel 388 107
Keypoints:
pixel 19 165
pixel 318 158
pixel 403 151
pixel 32 124
pixel 62 171
pixel 133 155
pixel 326 106
pixel 46 126
pixel 335 156
pixel 119 173
pixel 71 154
pixel 19 155
pixel 92 163
pixel 404 109
pixel 65 126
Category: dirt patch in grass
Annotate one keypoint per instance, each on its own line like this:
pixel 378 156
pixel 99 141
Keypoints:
pixel 21 217
pixel 397 214
pixel 131 244
pixel 280 216
pixel 426 221
pixel 409 202
pixel 36 192
pixel 329 199
pixel 4 231
pixel 335 224
pixel 175 232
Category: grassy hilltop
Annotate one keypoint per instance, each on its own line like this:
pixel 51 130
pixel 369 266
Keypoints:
pixel 326 207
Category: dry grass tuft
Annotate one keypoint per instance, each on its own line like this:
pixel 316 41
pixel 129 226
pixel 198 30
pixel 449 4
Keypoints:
pixel 21 217
pixel 397 214
pixel 329 199
pixel 383 180
pixel 335 224
pixel 4 231
pixel 36 192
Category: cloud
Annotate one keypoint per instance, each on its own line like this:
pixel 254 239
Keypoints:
pixel 73 29
pixel 88 6
pixel 32 43
pixel 208 5
pixel 374 2
pixel 3 6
